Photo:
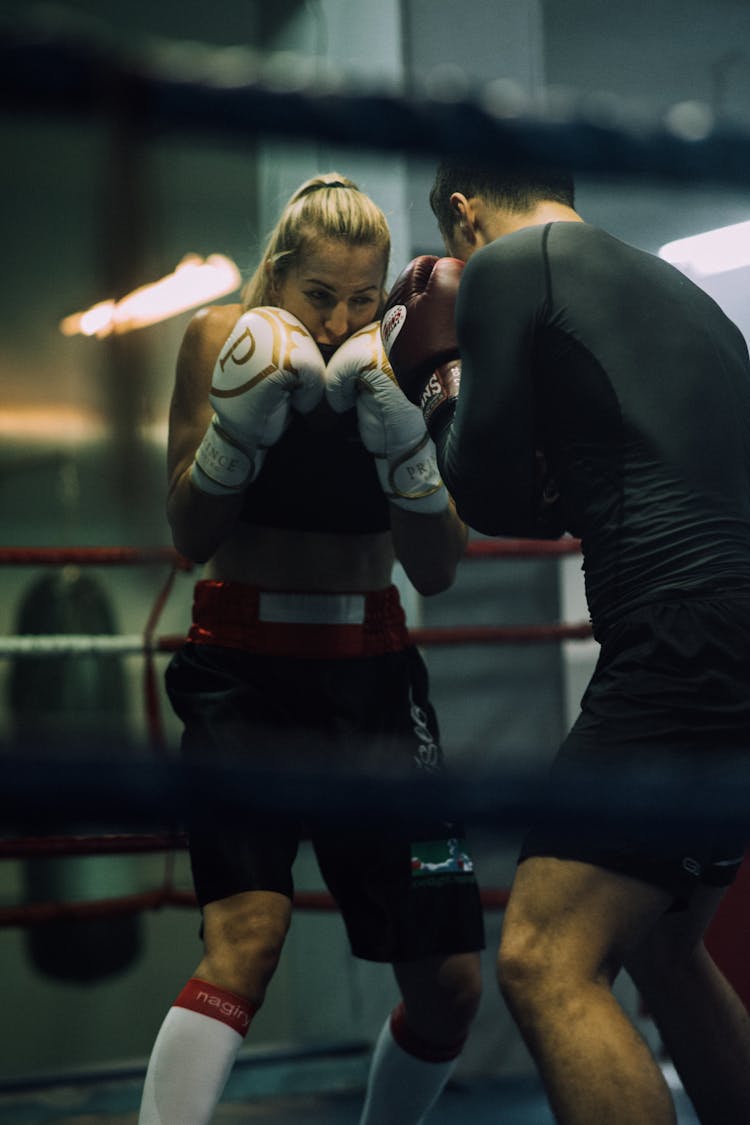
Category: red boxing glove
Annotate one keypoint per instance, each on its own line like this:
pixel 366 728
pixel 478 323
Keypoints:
pixel 419 333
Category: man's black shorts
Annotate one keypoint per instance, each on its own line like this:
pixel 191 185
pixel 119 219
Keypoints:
pixel 402 896
pixel 670 696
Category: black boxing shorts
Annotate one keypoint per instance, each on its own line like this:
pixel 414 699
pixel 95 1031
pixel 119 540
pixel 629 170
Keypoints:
pixel 253 686
pixel 670 696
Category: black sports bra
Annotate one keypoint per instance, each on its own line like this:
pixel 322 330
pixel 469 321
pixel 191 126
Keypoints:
pixel 318 477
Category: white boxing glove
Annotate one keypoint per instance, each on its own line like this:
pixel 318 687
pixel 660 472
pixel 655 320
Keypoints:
pixel 391 427
pixel 269 363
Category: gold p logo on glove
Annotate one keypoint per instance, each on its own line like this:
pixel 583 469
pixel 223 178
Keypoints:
pixel 285 333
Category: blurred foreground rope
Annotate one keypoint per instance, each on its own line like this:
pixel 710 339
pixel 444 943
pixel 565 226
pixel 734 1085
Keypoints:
pixel 47 793
pixel 235 94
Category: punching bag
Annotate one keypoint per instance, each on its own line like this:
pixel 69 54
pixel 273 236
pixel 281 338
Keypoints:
pixel 73 704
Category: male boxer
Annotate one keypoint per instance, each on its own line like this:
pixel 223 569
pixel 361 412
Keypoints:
pixel 634 388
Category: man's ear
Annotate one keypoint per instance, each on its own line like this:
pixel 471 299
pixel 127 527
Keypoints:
pixel 466 218
pixel 460 208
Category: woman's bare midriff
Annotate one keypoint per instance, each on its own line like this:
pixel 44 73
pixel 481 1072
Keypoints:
pixel 276 559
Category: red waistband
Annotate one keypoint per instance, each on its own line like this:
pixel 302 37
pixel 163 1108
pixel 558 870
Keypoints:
pixel 290 623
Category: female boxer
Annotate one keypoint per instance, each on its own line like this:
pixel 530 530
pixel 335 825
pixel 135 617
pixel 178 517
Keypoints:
pixel 299 473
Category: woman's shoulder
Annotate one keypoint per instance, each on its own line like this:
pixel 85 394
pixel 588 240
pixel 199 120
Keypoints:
pixel 214 322
pixel 206 332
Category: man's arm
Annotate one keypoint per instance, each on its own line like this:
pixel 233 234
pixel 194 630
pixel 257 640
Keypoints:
pixel 464 353
pixel 487 451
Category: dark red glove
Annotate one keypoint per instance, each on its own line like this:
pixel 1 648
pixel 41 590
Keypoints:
pixel 419 333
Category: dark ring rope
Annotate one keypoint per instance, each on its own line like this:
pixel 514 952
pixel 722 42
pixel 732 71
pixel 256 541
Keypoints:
pixel 206 92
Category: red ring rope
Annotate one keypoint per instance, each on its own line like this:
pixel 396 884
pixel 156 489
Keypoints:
pixel 128 556
pixel 521 548
pixel 91 556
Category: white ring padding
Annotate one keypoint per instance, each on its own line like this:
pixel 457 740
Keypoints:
pixel 40 644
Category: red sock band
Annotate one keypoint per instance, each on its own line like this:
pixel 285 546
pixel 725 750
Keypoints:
pixel 208 1000
pixel 420 1048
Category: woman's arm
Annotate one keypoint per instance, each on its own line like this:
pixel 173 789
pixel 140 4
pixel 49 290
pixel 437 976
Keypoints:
pixel 199 521
pixel 428 536
pixel 429 547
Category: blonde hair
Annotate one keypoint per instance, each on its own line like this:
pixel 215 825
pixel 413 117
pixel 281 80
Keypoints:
pixel 328 206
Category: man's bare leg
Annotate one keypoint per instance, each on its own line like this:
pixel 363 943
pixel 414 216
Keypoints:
pixel 567 930
pixel 704 1025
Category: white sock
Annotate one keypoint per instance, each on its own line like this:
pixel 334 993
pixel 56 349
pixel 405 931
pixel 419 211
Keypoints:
pixel 193 1055
pixel 402 1087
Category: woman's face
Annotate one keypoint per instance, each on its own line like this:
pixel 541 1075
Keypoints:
pixel 335 289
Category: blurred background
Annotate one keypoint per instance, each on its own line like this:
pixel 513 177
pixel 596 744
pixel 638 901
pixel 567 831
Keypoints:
pixel 92 209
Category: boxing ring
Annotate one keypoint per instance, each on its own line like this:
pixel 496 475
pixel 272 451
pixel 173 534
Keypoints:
pixel 254 1077
pixel 152 647
pixel 150 644
pixel 180 93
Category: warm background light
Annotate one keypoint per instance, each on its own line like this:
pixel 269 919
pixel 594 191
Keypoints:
pixel 194 282
pixel 61 425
